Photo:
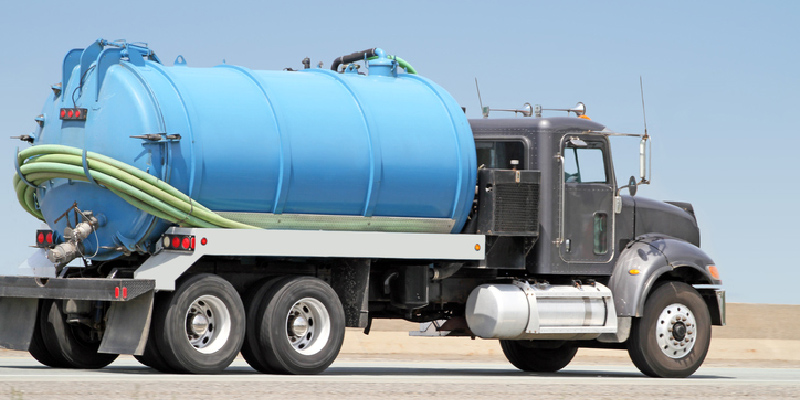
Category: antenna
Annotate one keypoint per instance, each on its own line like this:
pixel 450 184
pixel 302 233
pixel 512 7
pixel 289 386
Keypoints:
pixel 644 115
pixel 484 111
pixel 643 143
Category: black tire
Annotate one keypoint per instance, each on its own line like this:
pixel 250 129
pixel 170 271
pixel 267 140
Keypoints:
pixel 251 350
pixel 302 326
pixel 651 347
pixel 38 349
pixel 217 311
pixel 71 343
pixel 531 357
pixel 152 355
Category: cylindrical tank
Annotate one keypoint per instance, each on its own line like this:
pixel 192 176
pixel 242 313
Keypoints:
pixel 523 311
pixel 312 142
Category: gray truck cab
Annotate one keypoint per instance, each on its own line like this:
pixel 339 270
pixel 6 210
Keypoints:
pixel 590 232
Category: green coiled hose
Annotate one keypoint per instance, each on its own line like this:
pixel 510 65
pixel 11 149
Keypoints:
pixel 41 163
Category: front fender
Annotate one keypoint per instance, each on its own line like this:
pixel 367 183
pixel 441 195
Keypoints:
pixel 649 258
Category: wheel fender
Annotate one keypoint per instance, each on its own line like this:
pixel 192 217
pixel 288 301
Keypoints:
pixel 653 256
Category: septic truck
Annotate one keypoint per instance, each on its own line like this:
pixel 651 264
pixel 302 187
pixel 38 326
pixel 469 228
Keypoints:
pixel 193 214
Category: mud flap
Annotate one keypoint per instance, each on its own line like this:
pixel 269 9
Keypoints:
pixel 128 325
pixel 350 280
pixel 17 320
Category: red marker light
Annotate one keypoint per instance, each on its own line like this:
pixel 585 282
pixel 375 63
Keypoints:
pixel 124 293
pixel 77 113
pixel 185 243
pixel 203 241
pixel 49 238
pixel 40 238
pixel 63 113
pixel 193 243
pixel 116 292
pixel 176 242
pixel 69 114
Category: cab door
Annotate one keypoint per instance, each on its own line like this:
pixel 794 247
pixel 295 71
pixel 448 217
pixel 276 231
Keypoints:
pixel 587 203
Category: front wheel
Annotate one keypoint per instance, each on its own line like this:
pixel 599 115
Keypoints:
pixel 534 357
pixel 672 337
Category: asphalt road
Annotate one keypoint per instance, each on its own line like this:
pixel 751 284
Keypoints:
pixel 24 378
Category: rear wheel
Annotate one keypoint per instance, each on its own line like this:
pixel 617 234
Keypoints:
pixel 300 326
pixel 73 343
pixel 672 337
pixel 251 349
pixel 152 356
pixel 200 327
pixel 38 349
pixel 534 357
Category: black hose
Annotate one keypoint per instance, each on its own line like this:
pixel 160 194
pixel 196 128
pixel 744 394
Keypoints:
pixel 357 56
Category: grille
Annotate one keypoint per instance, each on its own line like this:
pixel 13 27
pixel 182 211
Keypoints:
pixel 517 207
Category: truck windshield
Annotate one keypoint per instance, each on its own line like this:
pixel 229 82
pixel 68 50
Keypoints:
pixel 500 154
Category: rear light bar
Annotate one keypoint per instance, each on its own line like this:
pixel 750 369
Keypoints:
pixel 45 239
pixel 73 114
pixel 178 242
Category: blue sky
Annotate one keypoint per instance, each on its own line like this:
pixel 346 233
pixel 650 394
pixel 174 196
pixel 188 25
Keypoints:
pixel 720 81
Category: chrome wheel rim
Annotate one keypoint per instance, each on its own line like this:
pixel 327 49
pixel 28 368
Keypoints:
pixel 676 331
pixel 308 326
pixel 208 324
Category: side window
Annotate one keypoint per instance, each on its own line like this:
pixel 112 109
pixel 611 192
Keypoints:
pixel 584 165
pixel 500 154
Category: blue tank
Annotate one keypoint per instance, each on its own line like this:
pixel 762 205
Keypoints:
pixel 331 150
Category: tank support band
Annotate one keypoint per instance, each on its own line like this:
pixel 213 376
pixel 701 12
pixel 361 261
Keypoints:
pixel 86 170
pixel 19 173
